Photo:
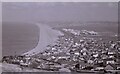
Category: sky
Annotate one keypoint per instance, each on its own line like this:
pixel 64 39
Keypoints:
pixel 59 11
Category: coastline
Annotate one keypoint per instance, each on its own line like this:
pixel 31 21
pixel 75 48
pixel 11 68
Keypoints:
pixel 47 36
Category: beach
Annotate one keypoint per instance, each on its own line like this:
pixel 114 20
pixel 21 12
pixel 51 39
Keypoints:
pixel 47 36
pixel 19 38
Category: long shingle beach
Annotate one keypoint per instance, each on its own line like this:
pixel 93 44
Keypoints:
pixel 46 36
pixel 19 38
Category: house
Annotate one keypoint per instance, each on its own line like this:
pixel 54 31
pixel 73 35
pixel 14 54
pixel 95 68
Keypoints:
pixel 88 68
pixel 117 66
pixel 77 53
pixel 90 61
pixel 99 68
pixel 110 62
pixel 111 53
pixel 95 55
pixel 62 59
pixel 110 67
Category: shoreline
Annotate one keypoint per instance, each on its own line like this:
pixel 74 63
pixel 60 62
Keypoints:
pixel 47 36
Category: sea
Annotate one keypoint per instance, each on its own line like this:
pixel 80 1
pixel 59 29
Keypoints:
pixel 18 38
pixel 24 38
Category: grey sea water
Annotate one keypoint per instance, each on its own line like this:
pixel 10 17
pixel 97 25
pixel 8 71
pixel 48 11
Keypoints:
pixel 18 38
